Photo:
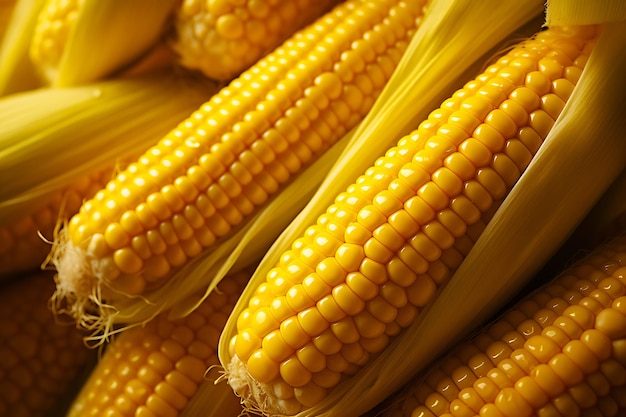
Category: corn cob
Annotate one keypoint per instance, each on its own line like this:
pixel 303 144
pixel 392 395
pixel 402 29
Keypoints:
pixel 40 359
pixel 208 176
pixel 154 370
pixel 223 38
pixel 116 115
pixel 24 246
pixel 557 352
pixel 378 255
pixel 75 42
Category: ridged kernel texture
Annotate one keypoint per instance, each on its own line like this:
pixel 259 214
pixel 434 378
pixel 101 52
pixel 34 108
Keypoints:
pixel 222 38
pixel 54 23
pixel 559 352
pixel 154 370
pixel 40 359
pixel 213 171
pixel 381 251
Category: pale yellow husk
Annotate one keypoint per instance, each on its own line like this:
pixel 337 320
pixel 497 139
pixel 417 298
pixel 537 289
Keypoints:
pixel 17 72
pixel 583 154
pixel 52 137
pixel 103 37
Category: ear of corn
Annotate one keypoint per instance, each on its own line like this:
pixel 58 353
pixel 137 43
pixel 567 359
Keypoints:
pixel 155 370
pixel 75 42
pixel 88 130
pixel 267 317
pixel 223 38
pixel 559 351
pixel 538 214
pixel 206 178
pixel 40 360
pixel 17 72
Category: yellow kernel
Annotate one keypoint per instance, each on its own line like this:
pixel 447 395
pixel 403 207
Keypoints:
pixel 566 369
pixel 160 407
pixel 298 299
pixel 403 224
pixel 275 347
pixel 246 343
pixel 229 26
pixel 311 358
pixel 170 395
pixel 413 175
pixel 582 356
pixel 425 247
pixel 477 153
pixel 612 323
pixel 492 182
pixel 511 403
pixel 310 394
pixel 115 236
pixel 127 261
pixel 438 234
pixel 292 332
pixel 329 308
pixel 347 300
pixel 312 321
pixel 345 330
pixel 371 217
pixel 262 368
pixel 350 256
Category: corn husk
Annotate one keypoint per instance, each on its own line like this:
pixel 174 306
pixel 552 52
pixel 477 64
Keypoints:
pixel 584 153
pixel 17 72
pixel 56 142
pixel 100 37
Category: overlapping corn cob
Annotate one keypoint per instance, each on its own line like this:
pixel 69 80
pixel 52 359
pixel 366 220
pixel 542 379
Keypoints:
pixel 155 370
pixel 40 359
pixel 381 252
pixel 558 352
pixel 116 116
pixel 223 38
pixel 208 176
pixel 75 42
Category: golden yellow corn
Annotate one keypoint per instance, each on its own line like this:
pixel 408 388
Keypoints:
pixel 155 370
pixel 120 117
pixel 81 41
pixel 223 38
pixel 380 253
pixel 208 176
pixel 40 359
pixel 24 244
pixel 558 352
